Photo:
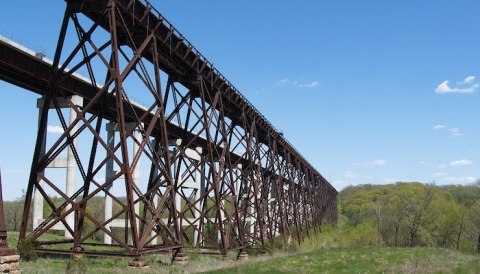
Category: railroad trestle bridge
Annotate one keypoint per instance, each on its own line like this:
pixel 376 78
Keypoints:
pixel 220 176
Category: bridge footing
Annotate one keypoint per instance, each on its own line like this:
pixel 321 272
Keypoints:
pixel 242 255
pixel 138 263
pixel 179 257
pixel 10 264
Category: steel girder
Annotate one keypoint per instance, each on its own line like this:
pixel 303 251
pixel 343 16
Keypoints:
pixel 253 186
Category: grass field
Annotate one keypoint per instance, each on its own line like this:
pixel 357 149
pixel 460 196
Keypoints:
pixel 313 257
pixel 366 260
pixel 335 260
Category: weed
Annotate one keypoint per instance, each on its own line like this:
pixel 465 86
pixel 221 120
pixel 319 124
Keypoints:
pixel 27 249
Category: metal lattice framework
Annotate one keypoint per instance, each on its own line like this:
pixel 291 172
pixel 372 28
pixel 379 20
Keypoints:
pixel 193 126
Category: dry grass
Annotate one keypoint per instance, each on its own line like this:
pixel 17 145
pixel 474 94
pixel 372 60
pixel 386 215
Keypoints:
pixel 447 261
pixel 315 255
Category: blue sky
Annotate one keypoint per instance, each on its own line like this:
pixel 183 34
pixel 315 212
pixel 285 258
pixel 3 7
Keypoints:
pixel 368 91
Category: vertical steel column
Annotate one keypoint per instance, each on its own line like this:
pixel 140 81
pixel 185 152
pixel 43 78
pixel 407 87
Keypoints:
pixel 42 128
pixel 118 89
pixel 276 191
pixel 37 196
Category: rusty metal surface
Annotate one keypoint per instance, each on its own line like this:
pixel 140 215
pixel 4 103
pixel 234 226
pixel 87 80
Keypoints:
pixel 254 185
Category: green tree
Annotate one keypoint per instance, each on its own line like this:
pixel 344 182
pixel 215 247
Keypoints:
pixel 13 213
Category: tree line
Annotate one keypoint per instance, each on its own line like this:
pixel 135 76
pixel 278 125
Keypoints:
pixel 400 214
pixel 412 214
pixel 13 212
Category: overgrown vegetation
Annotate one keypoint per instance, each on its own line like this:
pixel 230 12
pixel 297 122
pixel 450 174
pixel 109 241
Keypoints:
pixel 27 249
pixel 402 227
pixel 411 215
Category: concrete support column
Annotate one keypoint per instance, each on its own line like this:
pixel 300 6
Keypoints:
pixel 72 167
pixel 153 233
pixel 37 197
pixel 238 180
pixel 250 200
pixel 137 135
pixel 222 217
pixel 178 205
pixel 109 173
pixel 272 204
pixel 175 143
pixel 156 201
pixel 222 203
pixel 200 179
pixel 237 183
pixel 251 211
pixel 68 163
pixel 37 207
pixel 198 188
pixel 247 197
pixel 251 208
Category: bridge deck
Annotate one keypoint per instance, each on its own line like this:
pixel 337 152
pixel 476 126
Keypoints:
pixel 188 64
pixel 273 191
pixel 25 68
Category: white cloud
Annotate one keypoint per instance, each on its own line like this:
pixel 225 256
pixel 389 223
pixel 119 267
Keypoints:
pixel 465 86
pixel 462 162
pixel 54 129
pixel 467 81
pixel 379 162
pixel 313 84
pixel 282 82
pixel 287 82
pixel 438 127
pixel 455 132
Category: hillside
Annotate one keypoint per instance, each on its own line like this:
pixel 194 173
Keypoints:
pixel 366 260
pixel 411 215
pixel 396 228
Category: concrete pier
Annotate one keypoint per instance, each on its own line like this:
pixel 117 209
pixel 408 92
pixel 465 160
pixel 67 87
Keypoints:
pixel 72 166
pixel 110 172
pixel 69 163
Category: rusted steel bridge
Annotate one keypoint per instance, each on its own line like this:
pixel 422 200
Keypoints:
pixel 220 177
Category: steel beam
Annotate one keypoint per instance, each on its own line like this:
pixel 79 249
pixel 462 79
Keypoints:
pixel 252 184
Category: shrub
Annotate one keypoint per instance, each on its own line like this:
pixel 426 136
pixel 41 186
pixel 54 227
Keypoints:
pixel 28 249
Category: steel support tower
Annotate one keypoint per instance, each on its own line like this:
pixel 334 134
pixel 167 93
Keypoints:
pixel 250 184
